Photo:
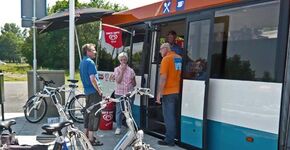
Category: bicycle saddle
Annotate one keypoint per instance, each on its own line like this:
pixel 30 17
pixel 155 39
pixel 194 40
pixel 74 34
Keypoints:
pixel 50 128
pixel 7 124
pixel 72 81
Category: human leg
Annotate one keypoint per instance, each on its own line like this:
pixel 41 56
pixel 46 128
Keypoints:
pixel 86 119
pixel 168 106
pixel 118 116
pixel 93 120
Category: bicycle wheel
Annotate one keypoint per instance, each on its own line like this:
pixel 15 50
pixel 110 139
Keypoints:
pixel 76 107
pixel 35 109
pixel 81 142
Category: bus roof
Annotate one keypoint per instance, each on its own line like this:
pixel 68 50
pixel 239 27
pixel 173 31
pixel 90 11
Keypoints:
pixel 155 10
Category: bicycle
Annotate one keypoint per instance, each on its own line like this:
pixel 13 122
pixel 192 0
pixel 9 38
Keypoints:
pixel 36 106
pixel 76 136
pixel 53 134
pixel 8 141
pixel 134 136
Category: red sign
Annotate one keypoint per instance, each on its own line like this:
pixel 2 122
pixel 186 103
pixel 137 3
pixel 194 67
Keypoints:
pixel 113 36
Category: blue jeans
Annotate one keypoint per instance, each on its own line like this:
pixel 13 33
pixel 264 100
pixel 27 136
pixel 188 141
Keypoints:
pixel 119 114
pixel 169 103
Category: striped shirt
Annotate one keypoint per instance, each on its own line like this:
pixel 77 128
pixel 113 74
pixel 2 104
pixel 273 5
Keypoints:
pixel 127 82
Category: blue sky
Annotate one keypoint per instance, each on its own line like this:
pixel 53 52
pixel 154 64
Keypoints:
pixel 10 9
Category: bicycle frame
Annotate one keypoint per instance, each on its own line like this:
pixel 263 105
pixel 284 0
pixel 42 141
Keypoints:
pixel 46 92
pixel 71 128
pixel 133 137
pixel 71 101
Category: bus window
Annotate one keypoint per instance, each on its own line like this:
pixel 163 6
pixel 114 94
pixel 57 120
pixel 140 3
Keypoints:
pixel 245 49
pixel 197 50
pixel 138 42
pixel 109 54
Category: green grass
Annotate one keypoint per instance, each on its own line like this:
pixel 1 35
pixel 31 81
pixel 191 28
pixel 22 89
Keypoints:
pixel 18 72
pixel 15 72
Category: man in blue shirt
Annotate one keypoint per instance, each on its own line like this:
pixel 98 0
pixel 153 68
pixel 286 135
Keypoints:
pixel 171 39
pixel 93 92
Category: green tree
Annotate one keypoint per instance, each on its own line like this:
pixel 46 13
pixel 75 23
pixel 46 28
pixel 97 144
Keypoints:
pixel 11 40
pixel 238 69
pixel 53 47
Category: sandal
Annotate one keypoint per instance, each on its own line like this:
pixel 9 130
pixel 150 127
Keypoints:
pixel 94 137
pixel 96 143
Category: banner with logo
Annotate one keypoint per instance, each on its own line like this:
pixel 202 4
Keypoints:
pixel 113 35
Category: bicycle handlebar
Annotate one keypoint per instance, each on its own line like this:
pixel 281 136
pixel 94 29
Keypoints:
pixel 106 99
pixel 44 81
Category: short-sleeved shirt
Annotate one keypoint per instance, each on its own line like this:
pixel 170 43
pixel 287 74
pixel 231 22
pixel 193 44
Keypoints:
pixel 87 68
pixel 171 67
pixel 126 84
pixel 177 49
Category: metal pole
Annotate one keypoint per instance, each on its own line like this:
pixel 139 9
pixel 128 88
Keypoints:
pixel 78 44
pixel 71 38
pixel 131 47
pixel 99 41
pixel 34 46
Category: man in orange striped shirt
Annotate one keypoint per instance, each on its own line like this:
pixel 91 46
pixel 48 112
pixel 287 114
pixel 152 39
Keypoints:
pixel 168 88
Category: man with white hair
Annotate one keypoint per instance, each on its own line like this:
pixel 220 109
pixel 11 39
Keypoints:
pixel 125 82
pixel 168 88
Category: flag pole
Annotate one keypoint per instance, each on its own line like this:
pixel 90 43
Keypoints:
pixel 99 41
pixel 132 33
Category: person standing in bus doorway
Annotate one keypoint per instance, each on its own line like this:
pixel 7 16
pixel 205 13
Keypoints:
pixel 168 88
pixel 171 39
pixel 125 82
pixel 93 92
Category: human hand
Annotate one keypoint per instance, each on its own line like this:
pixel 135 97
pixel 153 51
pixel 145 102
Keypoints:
pixel 158 101
pixel 123 67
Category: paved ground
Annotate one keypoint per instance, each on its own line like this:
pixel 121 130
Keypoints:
pixel 15 98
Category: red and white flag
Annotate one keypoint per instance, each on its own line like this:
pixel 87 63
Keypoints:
pixel 113 35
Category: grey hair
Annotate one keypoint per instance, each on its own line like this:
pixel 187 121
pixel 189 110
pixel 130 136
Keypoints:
pixel 122 54
pixel 166 45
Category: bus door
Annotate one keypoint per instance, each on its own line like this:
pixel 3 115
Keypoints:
pixel 195 81
pixel 154 117
pixel 153 111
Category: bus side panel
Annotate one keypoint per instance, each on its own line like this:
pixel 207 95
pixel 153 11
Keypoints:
pixel 193 92
pixel 222 136
pixel 191 131
pixel 243 114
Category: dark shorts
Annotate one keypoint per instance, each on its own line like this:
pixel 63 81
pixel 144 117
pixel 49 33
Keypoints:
pixel 91 122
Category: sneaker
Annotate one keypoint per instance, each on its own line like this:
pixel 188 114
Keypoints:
pixel 96 143
pixel 118 131
pixel 162 142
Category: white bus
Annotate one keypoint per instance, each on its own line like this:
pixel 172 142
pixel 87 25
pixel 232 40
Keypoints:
pixel 242 103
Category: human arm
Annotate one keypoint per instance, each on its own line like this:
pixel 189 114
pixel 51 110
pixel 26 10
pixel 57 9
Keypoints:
pixel 92 72
pixel 119 74
pixel 134 83
pixel 161 85
pixel 95 84
pixel 162 78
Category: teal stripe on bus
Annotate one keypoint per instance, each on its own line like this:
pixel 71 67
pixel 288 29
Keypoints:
pixel 222 136
pixel 191 131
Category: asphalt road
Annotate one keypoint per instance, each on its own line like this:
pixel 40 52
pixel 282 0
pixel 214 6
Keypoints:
pixel 16 94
